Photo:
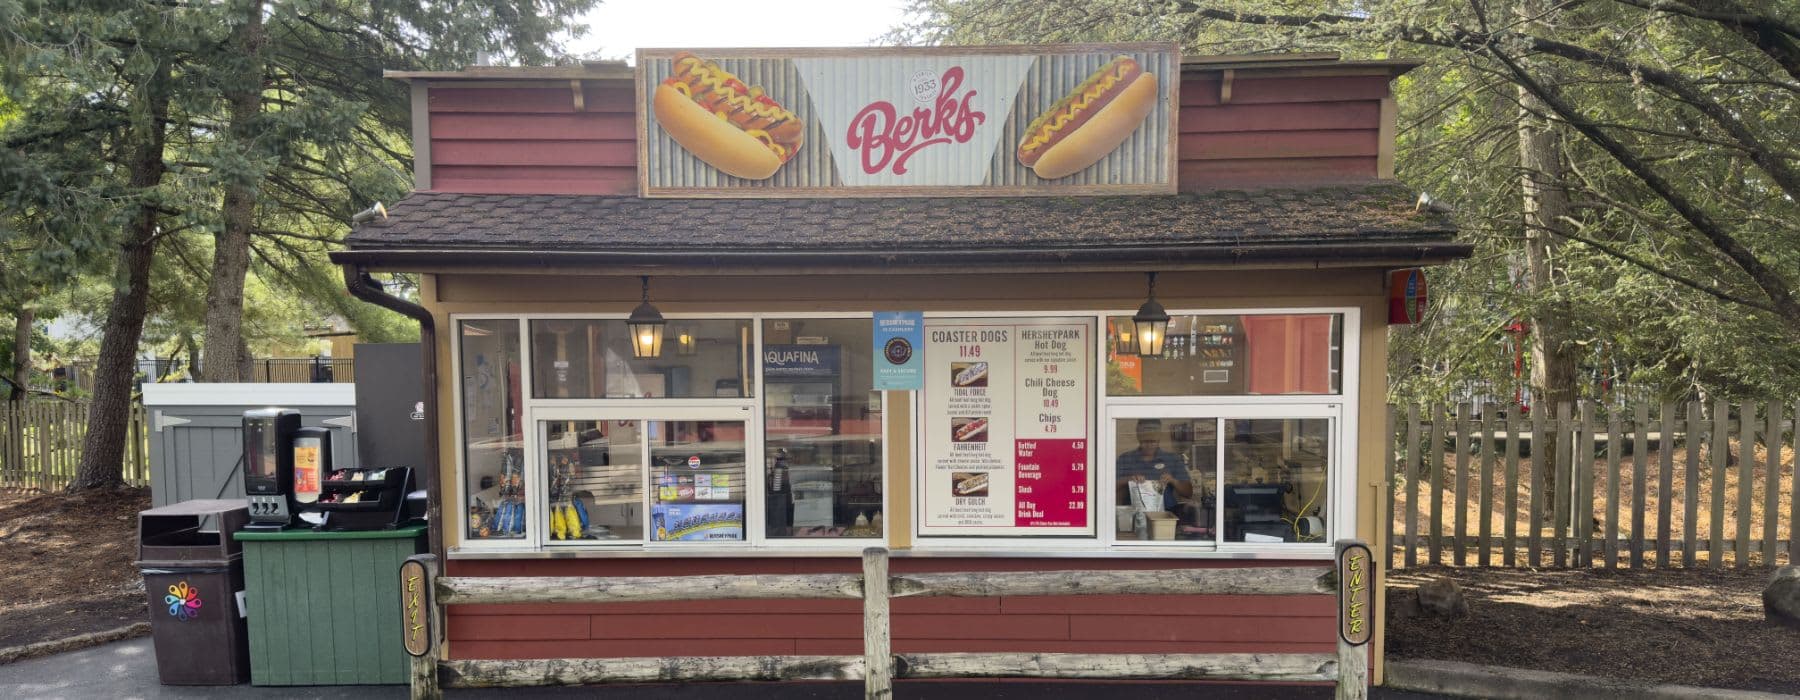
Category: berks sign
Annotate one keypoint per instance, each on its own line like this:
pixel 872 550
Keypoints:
pixel 1070 119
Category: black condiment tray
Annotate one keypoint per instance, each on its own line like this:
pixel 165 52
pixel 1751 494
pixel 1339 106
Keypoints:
pixel 394 478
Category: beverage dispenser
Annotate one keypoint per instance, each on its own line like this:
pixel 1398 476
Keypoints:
pixel 269 467
pixel 312 462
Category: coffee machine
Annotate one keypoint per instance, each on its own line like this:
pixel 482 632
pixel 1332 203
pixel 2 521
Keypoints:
pixel 269 467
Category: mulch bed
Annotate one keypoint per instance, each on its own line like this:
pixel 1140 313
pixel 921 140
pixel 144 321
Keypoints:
pixel 1687 626
pixel 66 564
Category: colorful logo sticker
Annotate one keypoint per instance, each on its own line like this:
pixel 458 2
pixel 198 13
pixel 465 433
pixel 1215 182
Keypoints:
pixel 183 601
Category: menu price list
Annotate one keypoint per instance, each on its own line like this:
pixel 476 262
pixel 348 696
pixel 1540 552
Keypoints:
pixel 1051 483
pixel 1007 413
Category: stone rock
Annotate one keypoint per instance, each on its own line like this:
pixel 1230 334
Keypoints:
pixel 1781 599
pixel 1443 598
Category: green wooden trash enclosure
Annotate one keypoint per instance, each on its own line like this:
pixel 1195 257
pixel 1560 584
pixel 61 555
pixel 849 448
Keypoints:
pixel 324 607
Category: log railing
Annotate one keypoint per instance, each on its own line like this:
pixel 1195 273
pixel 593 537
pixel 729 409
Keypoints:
pixel 426 594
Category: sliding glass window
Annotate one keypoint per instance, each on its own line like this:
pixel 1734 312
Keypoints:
pixel 822 429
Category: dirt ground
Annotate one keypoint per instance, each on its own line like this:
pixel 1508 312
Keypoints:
pixel 66 564
pixel 1693 627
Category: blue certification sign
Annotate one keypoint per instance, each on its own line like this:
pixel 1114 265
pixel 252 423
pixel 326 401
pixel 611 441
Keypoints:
pixel 899 344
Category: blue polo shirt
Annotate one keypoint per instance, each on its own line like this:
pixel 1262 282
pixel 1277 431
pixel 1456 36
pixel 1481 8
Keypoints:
pixel 1133 463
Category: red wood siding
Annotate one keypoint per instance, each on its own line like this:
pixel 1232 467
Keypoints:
pixel 532 141
pixel 1280 132
pixel 1301 131
pixel 1123 624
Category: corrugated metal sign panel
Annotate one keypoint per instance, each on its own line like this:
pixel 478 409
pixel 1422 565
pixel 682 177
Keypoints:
pixel 828 88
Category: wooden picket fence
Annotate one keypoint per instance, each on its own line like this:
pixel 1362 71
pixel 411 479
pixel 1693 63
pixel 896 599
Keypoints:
pixel 1633 485
pixel 40 444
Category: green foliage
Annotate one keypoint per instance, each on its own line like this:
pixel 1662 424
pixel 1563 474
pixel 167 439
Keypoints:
pixel 331 139
pixel 1655 302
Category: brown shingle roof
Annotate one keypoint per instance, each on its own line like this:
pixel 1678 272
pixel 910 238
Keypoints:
pixel 1328 216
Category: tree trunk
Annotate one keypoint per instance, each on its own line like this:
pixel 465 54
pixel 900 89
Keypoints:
pixel 103 449
pixel 21 359
pixel 231 249
pixel 1553 360
pixel 1546 205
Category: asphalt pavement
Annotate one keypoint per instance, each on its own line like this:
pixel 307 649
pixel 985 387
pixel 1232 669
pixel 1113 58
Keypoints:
pixel 127 670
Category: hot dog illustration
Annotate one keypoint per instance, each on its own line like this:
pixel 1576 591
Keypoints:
pixel 971 375
pixel 972 484
pixel 1089 122
pixel 974 430
pixel 733 127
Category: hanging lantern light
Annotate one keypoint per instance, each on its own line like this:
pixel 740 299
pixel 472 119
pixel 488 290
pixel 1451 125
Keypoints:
pixel 1152 324
pixel 1124 338
pixel 646 324
pixel 685 344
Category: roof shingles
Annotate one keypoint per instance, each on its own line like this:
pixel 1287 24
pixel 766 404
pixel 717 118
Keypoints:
pixel 451 221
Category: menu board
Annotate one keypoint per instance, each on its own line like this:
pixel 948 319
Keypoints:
pixel 1007 415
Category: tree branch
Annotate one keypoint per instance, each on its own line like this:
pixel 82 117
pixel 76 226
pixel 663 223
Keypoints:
pixel 1767 280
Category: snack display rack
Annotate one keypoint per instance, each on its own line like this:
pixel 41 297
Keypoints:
pixel 364 499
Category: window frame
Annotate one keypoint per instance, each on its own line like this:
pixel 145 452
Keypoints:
pixel 535 410
pixel 1343 408
pixel 1220 412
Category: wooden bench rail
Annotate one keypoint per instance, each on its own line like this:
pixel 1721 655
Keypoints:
pixel 878 667
pixel 684 669
pixel 1291 668
pixel 538 589
pixel 461 590
pixel 1273 580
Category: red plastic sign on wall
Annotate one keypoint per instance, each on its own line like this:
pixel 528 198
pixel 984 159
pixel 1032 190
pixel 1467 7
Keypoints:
pixel 1406 296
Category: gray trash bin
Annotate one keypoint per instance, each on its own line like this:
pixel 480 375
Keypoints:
pixel 193 572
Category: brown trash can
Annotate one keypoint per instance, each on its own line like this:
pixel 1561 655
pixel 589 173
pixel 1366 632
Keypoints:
pixel 193 574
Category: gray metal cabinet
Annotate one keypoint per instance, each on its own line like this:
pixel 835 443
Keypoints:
pixel 196 432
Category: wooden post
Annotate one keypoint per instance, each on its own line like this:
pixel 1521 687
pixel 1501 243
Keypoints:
pixel 878 656
pixel 1746 479
pixel 1485 529
pixel 1514 426
pixel 1565 489
pixel 1413 473
pixel 1640 443
pixel 1665 494
pixel 1433 451
pixel 1772 477
pixel 1353 671
pixel 1690 503
pixel 1460 519
pixel 1393 479
pixel 1584 482
pixel 1540 460
pixel 1613 444
pixel 1793 549
pixel 1356 605
pixel 418 597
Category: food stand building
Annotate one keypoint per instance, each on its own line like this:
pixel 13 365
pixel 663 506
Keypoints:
pixel 1032 429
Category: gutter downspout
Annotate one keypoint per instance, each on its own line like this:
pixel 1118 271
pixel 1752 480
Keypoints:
pixel 366 288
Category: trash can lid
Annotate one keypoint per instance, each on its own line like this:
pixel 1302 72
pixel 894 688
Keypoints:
pixel 189 564
pixel 200 506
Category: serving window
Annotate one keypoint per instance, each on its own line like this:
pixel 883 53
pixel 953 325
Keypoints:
pixel 1230 355
pixel 822 424
pixel 570 441
pixel 1231 438
pixel 1037 430
pixel 592 359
